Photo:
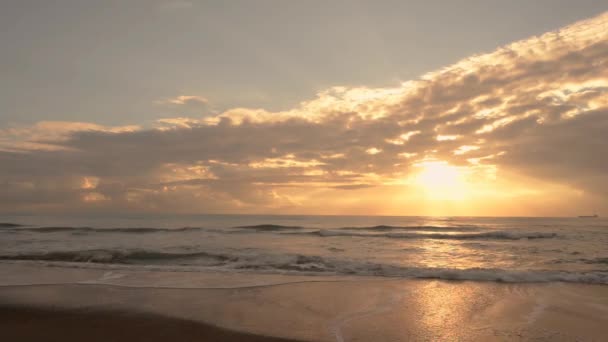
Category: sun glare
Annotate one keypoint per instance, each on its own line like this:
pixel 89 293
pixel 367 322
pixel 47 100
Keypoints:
pixel 441 181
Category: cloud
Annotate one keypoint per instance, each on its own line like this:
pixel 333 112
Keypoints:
pixel 48 135
pixel 528 122
pixel 186 100
pixel 184 109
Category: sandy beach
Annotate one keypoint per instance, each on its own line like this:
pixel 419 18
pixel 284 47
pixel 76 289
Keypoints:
pixel 366 309
pixel 45 324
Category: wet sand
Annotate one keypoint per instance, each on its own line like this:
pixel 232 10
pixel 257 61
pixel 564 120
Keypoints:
pixel 26 324
pixel 363 310
pixel 69 304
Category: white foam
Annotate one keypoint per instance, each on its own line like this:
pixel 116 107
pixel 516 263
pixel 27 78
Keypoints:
pixel 352 268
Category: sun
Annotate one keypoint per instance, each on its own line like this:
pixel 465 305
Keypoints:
pixel 441 181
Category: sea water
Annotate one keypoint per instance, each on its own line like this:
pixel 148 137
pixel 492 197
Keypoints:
pixel 462 248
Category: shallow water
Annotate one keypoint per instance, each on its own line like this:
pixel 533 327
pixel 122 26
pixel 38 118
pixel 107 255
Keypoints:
pixel 503 249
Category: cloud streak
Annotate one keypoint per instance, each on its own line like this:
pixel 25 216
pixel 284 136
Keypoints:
pixel 528 121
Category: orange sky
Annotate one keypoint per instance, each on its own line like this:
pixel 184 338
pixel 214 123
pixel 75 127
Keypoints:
pixel 519 131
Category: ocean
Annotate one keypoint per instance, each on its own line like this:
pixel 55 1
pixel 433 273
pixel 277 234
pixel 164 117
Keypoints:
pixel 499 249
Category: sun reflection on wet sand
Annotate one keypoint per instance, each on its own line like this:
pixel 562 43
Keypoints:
pixel 444 311
pixel 361 310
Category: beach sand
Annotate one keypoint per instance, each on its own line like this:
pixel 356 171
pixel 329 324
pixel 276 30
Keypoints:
pixel 44 324
pixel 364 309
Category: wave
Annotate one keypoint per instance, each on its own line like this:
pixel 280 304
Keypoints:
pixel 298 264
pixel 269 227
pixel 9 225
pixel 507 276
pixel 316 265
pixel 384 228
pixel 378 228
pixel 595 261
pixel 118 256
pixel 462 232
pixel 103 230
pixel 138 230
pixel 491 235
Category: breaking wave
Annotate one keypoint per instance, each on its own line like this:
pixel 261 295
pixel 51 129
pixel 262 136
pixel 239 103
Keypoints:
pixel 116 256
pixel 297 264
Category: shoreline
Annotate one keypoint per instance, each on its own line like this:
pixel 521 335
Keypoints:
pixel 163 276
pixel 392 310
pixel 33 323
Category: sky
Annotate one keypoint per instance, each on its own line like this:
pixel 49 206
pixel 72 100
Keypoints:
pixel 304 107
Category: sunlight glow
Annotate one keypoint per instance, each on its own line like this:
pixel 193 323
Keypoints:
pixel 441 181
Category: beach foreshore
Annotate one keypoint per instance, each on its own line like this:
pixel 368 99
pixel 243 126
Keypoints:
pixel 363 309
pixel 27 324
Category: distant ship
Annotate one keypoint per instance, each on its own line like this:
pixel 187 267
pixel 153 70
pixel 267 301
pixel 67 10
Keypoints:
pixel 588 216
